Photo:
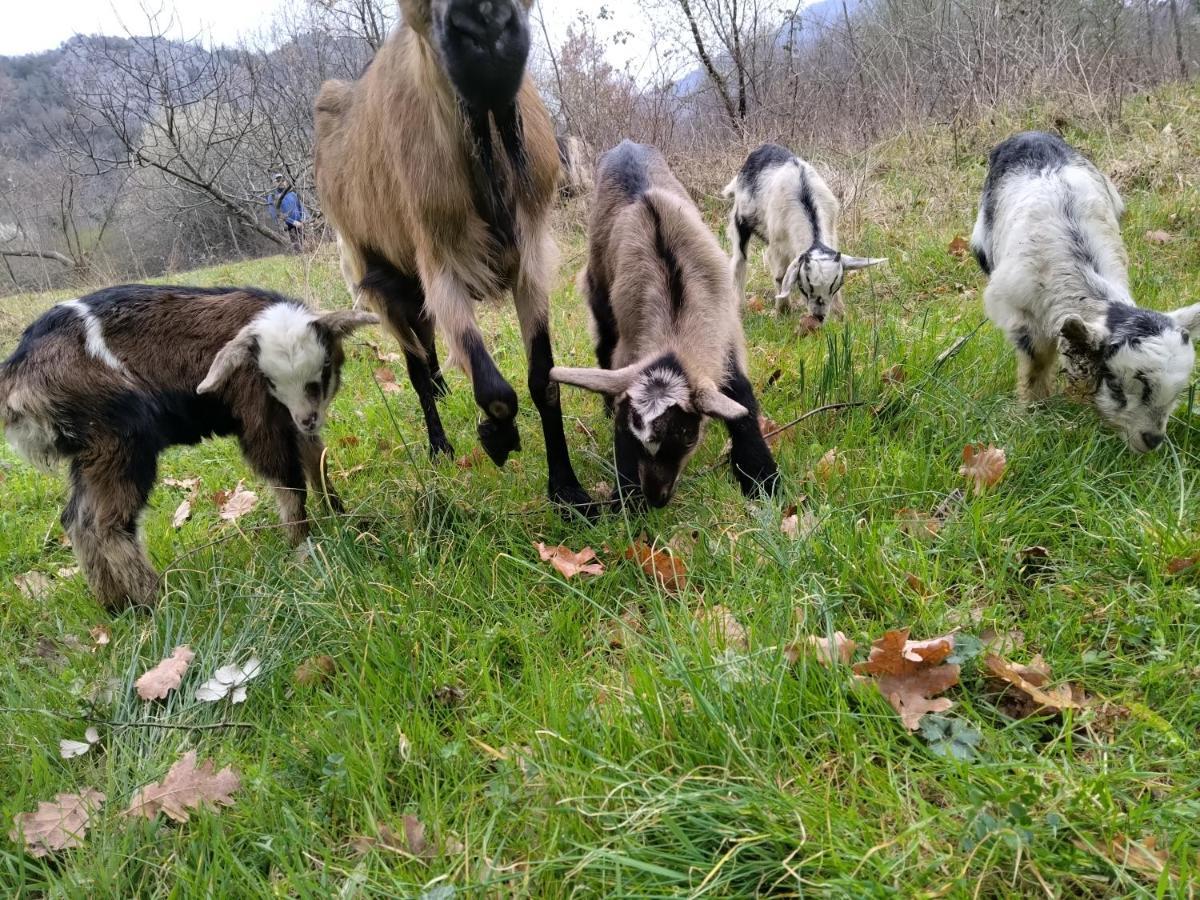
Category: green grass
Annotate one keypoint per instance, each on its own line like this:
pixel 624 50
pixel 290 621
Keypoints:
pixel 669 765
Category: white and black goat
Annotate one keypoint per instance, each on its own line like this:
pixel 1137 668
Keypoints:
pixel 668 333
pixel 438 168
pixel 109 381
pixel 1048 236
pixel 785 202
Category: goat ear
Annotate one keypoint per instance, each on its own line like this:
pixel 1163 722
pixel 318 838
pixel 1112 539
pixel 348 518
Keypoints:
pixel 1188 318
pixel 233 354
pixel 1083 341
pixel 344 321
pixel 609 382
pixel 789 280
pixel 854 263
pixel 710 401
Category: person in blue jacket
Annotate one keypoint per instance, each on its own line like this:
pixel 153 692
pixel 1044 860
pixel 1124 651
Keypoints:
pixel 285 207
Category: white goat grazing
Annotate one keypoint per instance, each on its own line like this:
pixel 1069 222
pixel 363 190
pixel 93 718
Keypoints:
pixel 787 204
pixel 1048 236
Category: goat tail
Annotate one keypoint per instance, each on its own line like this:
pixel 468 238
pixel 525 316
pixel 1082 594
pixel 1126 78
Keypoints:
pixel 730 189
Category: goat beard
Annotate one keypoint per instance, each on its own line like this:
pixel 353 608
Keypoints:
pixel 495 186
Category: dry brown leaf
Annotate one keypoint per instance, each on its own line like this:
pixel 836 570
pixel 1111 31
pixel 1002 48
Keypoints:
pixel 101 636
pixel 983 465
pixel 386 380
pixel 56 826
pixel 911 673
pixel 1033 563
pixel 895 375
pixel 918 524
pixel 314 670
pixel 798 524
pixel 412 842
pixel 471 459
pixel 183 512
pixel 755 304
pixel 959 247
pixel 830 466
pixel 620 630
pixel 916 584
pixel 568 562
pixel 238 503
pixel 186 787
pixel 808 325
pixel 188 484
pixel 828 651
pixel 349 440
pixel 1159 237
pixel 724 626
pixel 1024 692
pixel 1179 566
pixel 664 567
pixel 66 572
pixel 166 676
pixel 1142 856
pixel 771 431
pixel 34 585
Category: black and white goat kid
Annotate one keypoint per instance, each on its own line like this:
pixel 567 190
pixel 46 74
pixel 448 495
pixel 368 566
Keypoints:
pixel 107 382
pixel 668 334
pixel 787 204
pixel 1048 236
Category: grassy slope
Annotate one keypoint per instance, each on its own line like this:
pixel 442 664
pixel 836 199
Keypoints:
pixel 668 766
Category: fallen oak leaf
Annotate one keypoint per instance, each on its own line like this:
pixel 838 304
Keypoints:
pixel 165 677
pixel 238 503
pixel 1023 689
pixel 34 585
pixel 664 567
pixel 100 635
pixel 984 466
pixel 386 379
pixel 798 525
pixel 471 459
pixel 723 625
pixel 894 376
pixel 911 673
pixel 570 563
pixel 828 651
pixel 830 466
pixel 60 825
pixel 183 512
pixel 1141 856
pixel 1159 237
pixel 186 787
pixel 314 670
pixel 917 524
pixel 755 305
pixel 1179 566
pixel 959 247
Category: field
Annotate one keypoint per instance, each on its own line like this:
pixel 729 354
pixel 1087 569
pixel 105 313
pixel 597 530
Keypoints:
pixel 598 736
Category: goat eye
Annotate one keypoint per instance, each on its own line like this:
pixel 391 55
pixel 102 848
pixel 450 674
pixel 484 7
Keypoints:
pixel 312 390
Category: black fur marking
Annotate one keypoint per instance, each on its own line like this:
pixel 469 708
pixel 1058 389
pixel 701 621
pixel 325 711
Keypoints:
pixel 1129 325
pixel 1029 151
pixel 487 186
pixel 606 321
pixel 1080 242
pixel 55 320
pixel 670 263
pixel 981 258
pixel 810 206
pixel 745 231
pixel 1024 342
pixel 625 166
pixel 676 431
pixel 1147 388
pixel 768 156
pixel 750 457
pixel 1114 387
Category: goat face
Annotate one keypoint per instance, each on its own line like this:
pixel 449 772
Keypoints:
pixel 819 273
pixel 483 45
pixel 659 418
pixel 1135 367
pixel 298 354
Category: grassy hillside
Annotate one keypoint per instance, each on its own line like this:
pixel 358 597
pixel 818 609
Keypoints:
pixel 597 737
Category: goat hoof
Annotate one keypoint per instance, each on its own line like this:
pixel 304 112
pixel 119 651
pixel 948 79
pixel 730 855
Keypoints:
pixel 499 439
pixel 440 388
pixel 573 500
pixel 440 447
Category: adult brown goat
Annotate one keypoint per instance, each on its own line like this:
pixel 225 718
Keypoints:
pixel 438 168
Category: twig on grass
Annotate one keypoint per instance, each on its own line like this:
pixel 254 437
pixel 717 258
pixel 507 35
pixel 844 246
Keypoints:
pixel 96 720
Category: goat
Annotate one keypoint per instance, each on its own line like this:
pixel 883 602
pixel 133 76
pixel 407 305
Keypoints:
pixel 109 381
pixel 575 158
pixel 668 335
pixel 785 202
pixel 1048 237
pixel 438 168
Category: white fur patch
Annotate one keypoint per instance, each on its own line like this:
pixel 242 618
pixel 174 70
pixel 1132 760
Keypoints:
pixel 291 356
pixel 654 392
pixel 94 342
pixel 34 441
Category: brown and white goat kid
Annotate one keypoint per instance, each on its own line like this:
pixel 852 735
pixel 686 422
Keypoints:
pixel 668 332
pixel 109 381
pixel 438 169
pixel 787 204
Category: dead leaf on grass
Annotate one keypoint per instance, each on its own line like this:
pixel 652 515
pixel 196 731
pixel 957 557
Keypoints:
pixel 1141 856
pixel 165 677
pixel 798 524
pixel 830 466
pixel 71 749
pixel 984 466
pixel 238 503
pixel 959 247
pixel 349 440
pixel 386 379
pixel 60 825
pixel 314 670
pixel 808 325
pixel 471 459
pixel 34 586
pixel 1023 689
pixel 918 524
pixel 230 681
pixel 662 566
pixel 187 787
pixel 1159 237
pixel 724 626
pixel 1179 566
pixel 188 484
pixel 828 651
pixel 911 673
pixel 755 304
pixel 183 512
pixel 101 636
pixel 570 563
pixel 895 376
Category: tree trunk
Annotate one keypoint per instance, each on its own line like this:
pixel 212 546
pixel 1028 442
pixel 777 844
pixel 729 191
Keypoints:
pixel 53 255
pixel 706 61
pixel 1177 25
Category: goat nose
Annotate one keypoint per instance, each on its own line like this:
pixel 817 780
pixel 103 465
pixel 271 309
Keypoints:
pixel 481 20
pixel 1153 440
pixel 309 421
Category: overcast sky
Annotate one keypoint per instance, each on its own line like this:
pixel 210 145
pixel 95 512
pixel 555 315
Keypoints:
pixel 29 26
